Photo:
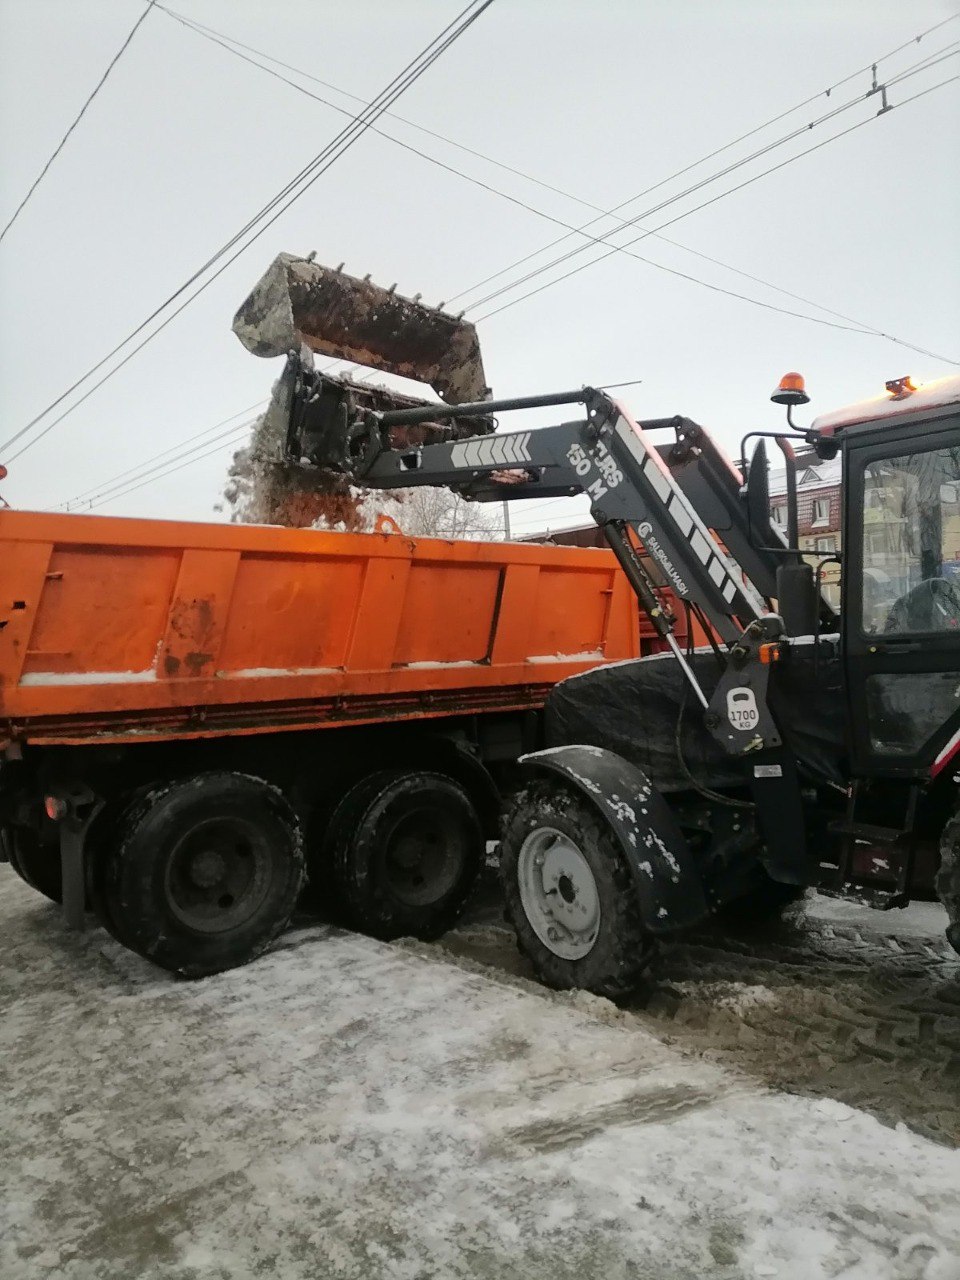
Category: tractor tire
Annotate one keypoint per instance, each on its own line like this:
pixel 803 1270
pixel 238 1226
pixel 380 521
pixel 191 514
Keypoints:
pixel 403 852
pixel 38 865
pixel 948 878
pixel 200 875
pixel 570 895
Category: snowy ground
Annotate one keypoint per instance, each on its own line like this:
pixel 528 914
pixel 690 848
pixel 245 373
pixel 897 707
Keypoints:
pixel 837 1001
pixel 344 1108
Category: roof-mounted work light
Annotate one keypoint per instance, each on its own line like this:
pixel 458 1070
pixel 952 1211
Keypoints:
pixel 790 390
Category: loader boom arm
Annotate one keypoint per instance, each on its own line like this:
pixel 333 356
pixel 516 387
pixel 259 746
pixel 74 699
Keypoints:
pixel 611 459
pixel 635 498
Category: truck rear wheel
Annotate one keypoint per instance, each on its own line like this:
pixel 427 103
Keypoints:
pixel 35 863
pixel 202 875
pixel 570 895
pixel 404 851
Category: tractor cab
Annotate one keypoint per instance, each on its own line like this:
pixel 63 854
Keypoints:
pixel 898 691
pixel 900 591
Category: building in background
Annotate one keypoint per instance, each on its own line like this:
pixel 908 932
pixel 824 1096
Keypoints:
pixel 818 514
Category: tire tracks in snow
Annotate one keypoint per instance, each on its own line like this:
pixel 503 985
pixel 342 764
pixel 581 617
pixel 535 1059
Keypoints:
pixel 809 1006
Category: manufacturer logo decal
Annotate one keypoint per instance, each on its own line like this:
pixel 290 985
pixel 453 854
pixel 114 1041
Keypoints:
pixel 645 530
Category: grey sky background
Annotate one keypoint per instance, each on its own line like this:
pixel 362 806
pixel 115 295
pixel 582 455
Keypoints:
pixel 602 100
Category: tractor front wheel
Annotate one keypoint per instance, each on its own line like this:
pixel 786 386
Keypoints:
pixel 570 894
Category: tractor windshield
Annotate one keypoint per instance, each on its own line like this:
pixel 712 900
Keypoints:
pixel 911 543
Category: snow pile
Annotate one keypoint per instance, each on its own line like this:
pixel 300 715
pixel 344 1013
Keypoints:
pixel 265 487
pixel 734 997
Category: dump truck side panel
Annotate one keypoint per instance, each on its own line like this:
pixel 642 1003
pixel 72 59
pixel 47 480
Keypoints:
pixel 125 629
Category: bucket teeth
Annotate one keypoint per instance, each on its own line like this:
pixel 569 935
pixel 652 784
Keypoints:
pixel 299 302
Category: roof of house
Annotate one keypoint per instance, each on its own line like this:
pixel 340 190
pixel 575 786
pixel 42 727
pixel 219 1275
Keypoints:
pixel 812 473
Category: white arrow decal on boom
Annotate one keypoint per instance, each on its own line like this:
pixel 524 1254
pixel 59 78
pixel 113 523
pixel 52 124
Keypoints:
pixel 492 451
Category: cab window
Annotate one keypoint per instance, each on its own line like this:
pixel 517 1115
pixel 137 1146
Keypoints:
pixel 911 543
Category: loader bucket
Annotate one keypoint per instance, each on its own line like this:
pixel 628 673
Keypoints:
pixel 298 302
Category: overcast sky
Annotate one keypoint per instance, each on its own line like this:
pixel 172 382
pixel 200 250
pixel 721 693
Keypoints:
pixel 601 100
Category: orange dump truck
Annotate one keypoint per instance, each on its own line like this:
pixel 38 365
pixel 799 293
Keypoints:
pixel 191 715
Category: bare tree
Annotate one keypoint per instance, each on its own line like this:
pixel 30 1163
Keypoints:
pixel 439 513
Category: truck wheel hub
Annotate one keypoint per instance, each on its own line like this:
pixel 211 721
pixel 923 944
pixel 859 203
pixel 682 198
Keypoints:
pixel 207 869
pixel 217 875
pixel 422 858
pixel 559 893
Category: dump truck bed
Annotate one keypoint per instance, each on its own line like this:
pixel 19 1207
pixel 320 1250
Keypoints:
pixel 119 630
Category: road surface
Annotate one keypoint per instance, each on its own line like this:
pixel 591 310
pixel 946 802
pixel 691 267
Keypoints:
pixel 345 1108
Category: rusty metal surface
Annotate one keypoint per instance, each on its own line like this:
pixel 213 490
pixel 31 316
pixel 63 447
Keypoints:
pixel 213 721
pixel 300 303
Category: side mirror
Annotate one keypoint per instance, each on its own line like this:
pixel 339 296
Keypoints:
pixel 797 599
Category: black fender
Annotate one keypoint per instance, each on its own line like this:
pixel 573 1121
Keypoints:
pixel 666 877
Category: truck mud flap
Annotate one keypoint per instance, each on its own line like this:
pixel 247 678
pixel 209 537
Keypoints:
pixel 74 809
pixel 668 884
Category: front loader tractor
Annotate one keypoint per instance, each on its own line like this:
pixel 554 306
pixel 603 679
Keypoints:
pixel 804 746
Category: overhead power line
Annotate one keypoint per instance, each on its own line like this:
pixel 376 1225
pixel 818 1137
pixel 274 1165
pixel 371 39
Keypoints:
pixel 679 173
pixel 925 65
pixel 161 474
pixel 773 169
pixel 615 249
pixel 858 326
pixel 851 324
pixel 144 470
pixel 83 110
pixel 102 485
pixel 233 435
pixel 228 42
pixel 265 217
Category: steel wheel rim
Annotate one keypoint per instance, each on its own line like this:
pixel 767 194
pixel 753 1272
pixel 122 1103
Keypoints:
pixel 218 875
pixel 559 893
pixel 422 857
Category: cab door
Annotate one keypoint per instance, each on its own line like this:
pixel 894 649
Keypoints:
pixel 901 594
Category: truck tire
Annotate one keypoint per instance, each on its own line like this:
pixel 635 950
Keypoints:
pixel 570 895
pixel 948 878
pixel 404 851
pixel 201 875
pixel 38 865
